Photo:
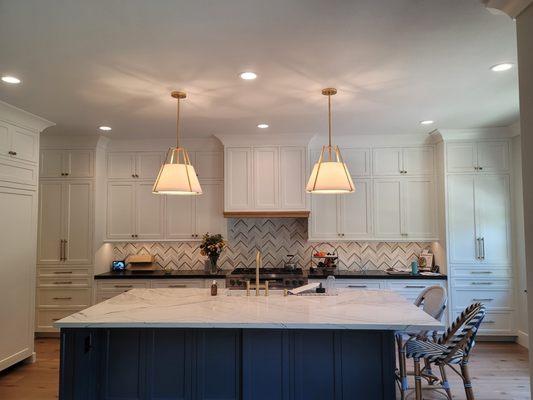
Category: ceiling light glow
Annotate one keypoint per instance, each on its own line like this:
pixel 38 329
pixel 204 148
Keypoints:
pixel 10 79
pixel 501 67
pixel 104 128
pixel 262 126
pixel 248 75
pixel 427 122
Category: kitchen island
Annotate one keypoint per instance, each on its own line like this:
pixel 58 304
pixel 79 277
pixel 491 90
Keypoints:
pixel 186 344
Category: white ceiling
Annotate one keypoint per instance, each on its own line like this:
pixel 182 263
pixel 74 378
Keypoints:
pixel 395 62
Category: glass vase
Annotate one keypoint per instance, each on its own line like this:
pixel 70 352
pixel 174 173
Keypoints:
pixel 213 267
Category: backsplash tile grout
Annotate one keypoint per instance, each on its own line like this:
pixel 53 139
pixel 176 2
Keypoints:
pixel 276 238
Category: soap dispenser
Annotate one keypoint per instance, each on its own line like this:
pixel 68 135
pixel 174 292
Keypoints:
pixel 214 288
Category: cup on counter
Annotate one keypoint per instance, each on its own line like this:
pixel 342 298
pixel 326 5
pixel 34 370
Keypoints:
pixel 414 267
pixel 331 286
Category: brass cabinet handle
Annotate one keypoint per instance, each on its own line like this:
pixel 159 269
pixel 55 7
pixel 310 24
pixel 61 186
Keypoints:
pixel 123 286
pixel 481 283
pixel 65 249
pixel 414 286
pixel 61 250
pixel 481 272
pixel 357 286
pixel 62 298
pixel 482 248
pixel 489 322
pixel 482 299
pixel 63 283
pixel 62 272
pixel 177 286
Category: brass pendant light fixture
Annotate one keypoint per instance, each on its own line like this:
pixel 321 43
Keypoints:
pixel 330 174
pixel 177 175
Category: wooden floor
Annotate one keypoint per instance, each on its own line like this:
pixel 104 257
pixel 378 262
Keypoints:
pixel 499 370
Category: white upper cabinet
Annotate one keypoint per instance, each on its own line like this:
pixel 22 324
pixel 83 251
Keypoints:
pixel 482 156
pixel 209 164
pixel 210 210
pixel 149 212
pixel 479 219
pixel 66 163
pixel 180 216
pixel 293 178
pixel 356 211
pixel 65 223
pixel 387 208
pixel 419 211
pixel 139 165
pixel 387 162
pixel 265 178
pixel 357 161
pixel 403 161
pixel 121 210
pixel 323 221
pixel 18 143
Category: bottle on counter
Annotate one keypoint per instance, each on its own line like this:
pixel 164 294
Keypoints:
pixel 414 267
pixel 214 288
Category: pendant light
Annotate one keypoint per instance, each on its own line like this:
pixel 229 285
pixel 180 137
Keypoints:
pixel 177 175
pixel 330 174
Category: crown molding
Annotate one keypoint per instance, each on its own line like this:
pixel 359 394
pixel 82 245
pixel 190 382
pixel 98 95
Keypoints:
pixel 474 134
pixel 513 8
pixel 24 119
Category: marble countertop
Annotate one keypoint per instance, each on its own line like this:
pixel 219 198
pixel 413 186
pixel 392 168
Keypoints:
pixel 196 308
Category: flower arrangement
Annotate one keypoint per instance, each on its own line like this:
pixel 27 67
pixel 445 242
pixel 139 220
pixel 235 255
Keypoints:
pixel 212 246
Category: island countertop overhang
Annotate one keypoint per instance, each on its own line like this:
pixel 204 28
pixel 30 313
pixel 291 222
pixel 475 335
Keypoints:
pixel 195 308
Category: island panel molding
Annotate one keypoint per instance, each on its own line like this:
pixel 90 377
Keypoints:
pixel 276 237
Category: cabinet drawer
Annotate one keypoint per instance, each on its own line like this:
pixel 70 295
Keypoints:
pixel 123 286
pixel 64 272
pixel 179 284
pixel 491 298
pixel 46 318
pixel 482 284
pixel 413 285
pixel 64 281
pixel 106 295
pixel 495 323
pixel 63 297
pixel 480 272
pixel 341 284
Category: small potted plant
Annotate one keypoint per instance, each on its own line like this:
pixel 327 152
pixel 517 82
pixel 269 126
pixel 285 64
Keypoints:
pixel 212 246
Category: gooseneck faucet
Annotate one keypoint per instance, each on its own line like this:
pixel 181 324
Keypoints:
pixel 258 265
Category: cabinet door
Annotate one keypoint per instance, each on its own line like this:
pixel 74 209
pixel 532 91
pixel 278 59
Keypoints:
pixel 324 219
pixel 493 218
pixel 461 157
pixel 51 164
pixel 418 160
pixel 238 179
pixel 292 176
pixel 148 165
pixel 210 210
pixel 387 208
pixel 266 178
pixel 357 161
pixel 5 139
pixel 17 285
pixel 120 210
pixel 493 156
pixel 149 212
pixel 418 200
pixel 180 216
pixel 120 165
pixel 387 162
pixel 356 212
pixel 78 222
pixel 209 164
pixel 461 219
pixel 79 163
pixel 25 143
pixel 51 206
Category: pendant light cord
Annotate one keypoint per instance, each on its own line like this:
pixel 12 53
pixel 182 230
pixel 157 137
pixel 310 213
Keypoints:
pixel 329 126
pixel 178 124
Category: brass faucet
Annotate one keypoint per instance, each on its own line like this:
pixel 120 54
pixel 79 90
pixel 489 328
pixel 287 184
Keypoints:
pixel 258 286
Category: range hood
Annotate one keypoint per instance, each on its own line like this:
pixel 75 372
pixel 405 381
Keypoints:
pixel 266 214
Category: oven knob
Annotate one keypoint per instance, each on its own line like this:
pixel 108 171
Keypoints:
pixel 301 282
pixel 232 282
pixel 295 282
pixel 238 282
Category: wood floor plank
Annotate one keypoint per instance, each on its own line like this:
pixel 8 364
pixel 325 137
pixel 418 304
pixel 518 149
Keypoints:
pixel 499 370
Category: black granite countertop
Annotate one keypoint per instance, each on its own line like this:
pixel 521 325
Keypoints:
pixel 176 274
pixel 371 274
pixel 199 274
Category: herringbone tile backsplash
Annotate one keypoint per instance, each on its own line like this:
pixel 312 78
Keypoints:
pixel 276 238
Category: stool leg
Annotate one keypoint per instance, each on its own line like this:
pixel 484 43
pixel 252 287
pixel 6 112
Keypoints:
pixel 418 380
pixel 466 381
pixel 404 384
pixel 445 384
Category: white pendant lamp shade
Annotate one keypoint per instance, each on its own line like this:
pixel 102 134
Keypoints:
pixel 330 174
pixel 330 177
pixel 177 176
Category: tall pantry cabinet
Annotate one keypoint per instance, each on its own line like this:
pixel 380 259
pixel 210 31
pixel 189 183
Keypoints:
pixel 65 234
pixel 19 166
pixel 478 219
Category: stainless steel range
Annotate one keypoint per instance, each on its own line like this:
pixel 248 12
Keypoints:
pixel 278 278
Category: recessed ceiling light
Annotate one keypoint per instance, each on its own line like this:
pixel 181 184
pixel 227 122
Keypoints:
pixel 426 122
pixel 104 128
pixel 248 75
pixel 501 67
pixel 262 126
pixel 10 79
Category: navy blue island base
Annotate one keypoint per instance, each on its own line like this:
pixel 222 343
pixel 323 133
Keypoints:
pixel 224 364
